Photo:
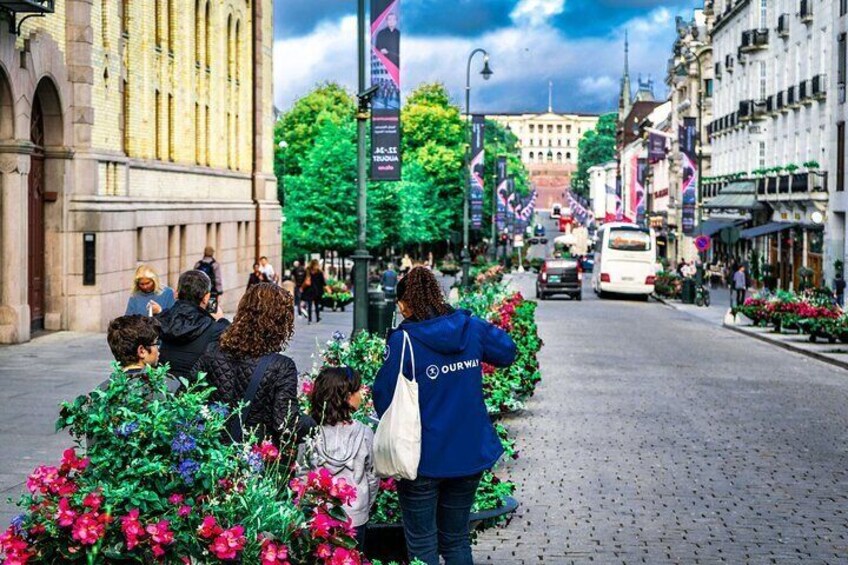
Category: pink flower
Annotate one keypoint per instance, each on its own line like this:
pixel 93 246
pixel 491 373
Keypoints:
pixel 70 461
pixel 343 556
pixel 65 515
pixel 273 554
pixel 209 528
pixel 176 499
pixel 229 543
pixel 184 511
pixel 388 484
pixel 160 532
pixel 87 529
pixel 321 524
pixel 323 551
pixel 42 479
pixel 343 491
pixel 267 451
pixel 92 500
pixel 307 387
pixel 14 548
pixel 132 528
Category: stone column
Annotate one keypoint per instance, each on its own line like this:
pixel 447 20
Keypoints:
pixel 14 192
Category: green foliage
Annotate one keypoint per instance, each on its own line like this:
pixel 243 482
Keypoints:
pixel 597 146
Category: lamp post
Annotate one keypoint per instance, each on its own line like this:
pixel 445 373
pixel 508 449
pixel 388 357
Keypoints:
pixel 360 256
pixel 487 74
pixel 283 145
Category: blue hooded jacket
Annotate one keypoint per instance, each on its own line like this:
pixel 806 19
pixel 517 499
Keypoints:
pixel 457 436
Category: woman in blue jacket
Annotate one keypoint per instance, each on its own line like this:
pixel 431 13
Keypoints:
pixel 458 441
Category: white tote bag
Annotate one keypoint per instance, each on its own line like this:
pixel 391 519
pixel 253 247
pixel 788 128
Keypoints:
pixel 397 443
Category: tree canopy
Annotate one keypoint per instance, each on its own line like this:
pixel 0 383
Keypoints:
pixel 596 146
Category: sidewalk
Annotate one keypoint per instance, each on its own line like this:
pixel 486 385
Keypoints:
pixel 835 354
pixel 39 375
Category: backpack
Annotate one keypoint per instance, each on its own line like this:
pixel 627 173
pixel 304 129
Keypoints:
pixel 209 269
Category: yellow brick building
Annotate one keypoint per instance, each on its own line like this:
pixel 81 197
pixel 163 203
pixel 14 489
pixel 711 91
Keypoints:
pixel 131 131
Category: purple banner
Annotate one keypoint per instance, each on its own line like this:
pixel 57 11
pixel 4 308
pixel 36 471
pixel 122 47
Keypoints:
pixel 476 170
pixel 510 205
pixel 688 132
pixel 656 148
pixel 502 195
pixel 385 75
pixel 639 205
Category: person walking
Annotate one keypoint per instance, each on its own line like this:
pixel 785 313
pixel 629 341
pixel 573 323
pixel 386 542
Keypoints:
pixel 187 327
pixel 839 288
pixel 740 285
pixel 313 289
pixel 257 276
pixel 148 295
pixel 405 264
pixel 267 268
pixel 389 281
pixel 343 445
pixel 458 440
pixel 212 268
pixel 251 345
pixel 299 277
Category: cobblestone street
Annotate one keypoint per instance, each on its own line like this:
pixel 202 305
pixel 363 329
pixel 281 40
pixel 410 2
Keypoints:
pixel 656 437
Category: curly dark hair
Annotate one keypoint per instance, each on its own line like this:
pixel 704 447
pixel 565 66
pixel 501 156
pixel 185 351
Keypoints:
pixel 264 322
pixel 421 293
pixel 329 398
pixel 127 333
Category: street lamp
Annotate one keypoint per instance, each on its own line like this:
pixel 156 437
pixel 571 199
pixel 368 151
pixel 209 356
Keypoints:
pixel 487 74
pixel 360 256
pixel 283 145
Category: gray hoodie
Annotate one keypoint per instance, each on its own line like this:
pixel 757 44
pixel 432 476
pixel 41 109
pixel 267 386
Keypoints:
pixel 345 451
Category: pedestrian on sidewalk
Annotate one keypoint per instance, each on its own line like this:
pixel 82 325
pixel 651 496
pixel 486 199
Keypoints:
pixel 257 276
pixel 389 282
pixel 148 295
pixel 299 277
pixel 740 285
pixel 263 325
pixel 188 328
pixel 458 441
pixel 839 288
pixel 212 268
pixel 267 268
pixel 343 445
pixel 313 289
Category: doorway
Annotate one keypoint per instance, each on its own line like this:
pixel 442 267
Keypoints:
pixel 35 232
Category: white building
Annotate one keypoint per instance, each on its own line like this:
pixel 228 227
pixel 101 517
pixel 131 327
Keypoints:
pixel 602 190
pixel 835 231
pixel 772 125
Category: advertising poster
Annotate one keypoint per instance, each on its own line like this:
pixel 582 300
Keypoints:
pixel 656 148
pixel 510 205
pixel 502 195
pixel 385 75
pixel 476 170
pixel 639 204
pixel 689 189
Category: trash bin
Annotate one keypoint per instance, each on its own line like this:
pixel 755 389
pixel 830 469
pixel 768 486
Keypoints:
pixel 687 292
pixel 380 313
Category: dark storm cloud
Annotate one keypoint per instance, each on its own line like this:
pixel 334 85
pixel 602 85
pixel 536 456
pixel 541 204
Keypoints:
pixel 593 18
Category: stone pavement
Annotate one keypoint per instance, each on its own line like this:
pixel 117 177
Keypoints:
pixel 656 438
pixel 37 376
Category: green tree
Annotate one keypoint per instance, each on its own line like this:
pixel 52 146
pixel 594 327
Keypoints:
pixel 597 146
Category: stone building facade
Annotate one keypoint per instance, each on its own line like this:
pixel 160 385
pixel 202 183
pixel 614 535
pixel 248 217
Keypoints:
pixel 131 131
pixel 549 148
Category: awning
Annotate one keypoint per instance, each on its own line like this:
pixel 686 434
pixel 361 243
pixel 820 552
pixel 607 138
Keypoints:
pixel 765 229
pixel 714 225
pixel 740 195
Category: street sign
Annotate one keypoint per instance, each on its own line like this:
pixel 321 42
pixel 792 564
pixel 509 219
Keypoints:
pixel 702 242
pixel 730 235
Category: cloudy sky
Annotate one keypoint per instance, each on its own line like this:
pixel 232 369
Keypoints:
pixel 577 44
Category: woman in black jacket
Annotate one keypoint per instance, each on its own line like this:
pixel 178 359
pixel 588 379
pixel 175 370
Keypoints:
pixel 313 289
pixel 263 325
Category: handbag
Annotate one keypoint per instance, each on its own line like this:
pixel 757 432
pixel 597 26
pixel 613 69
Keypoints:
pixel 397 443
pixel 235 427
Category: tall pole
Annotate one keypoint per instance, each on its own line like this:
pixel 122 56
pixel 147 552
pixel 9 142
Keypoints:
pixel 493 246
pixel 361 257
pixel 466 254
pixel 699 197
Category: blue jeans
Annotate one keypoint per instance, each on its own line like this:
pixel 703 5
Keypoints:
pixel 435 518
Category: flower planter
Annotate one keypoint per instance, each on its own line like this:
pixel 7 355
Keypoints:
pixel 386 542
pixel 334 304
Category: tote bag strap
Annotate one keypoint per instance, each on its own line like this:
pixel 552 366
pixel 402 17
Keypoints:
pixel 407 343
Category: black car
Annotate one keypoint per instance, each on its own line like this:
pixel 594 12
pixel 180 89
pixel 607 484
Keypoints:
pixel 560 276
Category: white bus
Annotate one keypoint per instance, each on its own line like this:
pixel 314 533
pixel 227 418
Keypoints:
pixel 625 260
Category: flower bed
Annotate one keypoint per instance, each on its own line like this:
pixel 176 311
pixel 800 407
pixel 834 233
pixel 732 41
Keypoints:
pixel 812 314
pixel 336 295
pixel 158 484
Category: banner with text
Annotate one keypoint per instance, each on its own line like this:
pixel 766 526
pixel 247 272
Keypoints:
pixel 478 126
pixel 656 148
pixel 502 195
pixel 689 190
pixel 510 205
pixel 385 76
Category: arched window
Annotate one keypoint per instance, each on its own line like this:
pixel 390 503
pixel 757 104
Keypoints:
pixel 550 157
pixel 532 127
pixel 568 155
pixel 532 156
pixel 230 54
pixel 559 157
pixel 237 51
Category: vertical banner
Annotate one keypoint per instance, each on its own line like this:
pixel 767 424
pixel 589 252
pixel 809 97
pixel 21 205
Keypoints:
pixel 689 189
pixel 639 205
pixel 475 173
pixel 385 76
pixel 510 206
pixel 656 148
pixel 502 194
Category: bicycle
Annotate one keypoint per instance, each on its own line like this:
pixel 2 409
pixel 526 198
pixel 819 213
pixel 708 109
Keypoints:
pixel 702 296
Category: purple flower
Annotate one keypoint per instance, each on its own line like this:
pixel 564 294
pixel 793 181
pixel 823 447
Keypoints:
pixel 338 336
pixel 220 409
pixel 126 429
pixel 187 469
pixel 183 443
pixel 254 459
pixel 17 523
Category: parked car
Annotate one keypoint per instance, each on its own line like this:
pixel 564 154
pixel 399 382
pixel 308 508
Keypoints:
pixel 539 230
pixel 588 263
pixel 560 276
pixel 556 210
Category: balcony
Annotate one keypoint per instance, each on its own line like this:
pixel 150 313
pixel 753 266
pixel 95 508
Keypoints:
pixel 819 87
pixel 791 96
pixel 754 39
pixel 783 25
pixel 800 186
pixel 760 109
pixel 780 100
pixel 805 92
pixel 771 104
pixel 806 11
pixel 746 110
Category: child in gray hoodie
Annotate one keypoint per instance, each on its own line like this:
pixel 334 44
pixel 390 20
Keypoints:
pixel 341 444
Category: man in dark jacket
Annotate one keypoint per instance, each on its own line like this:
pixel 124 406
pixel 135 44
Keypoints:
pixel 187 328
pixel 299 277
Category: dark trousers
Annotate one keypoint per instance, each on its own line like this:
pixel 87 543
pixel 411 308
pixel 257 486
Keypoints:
pixel 435 518
pixel 317 304
pixel 298 296
pixel 740 296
